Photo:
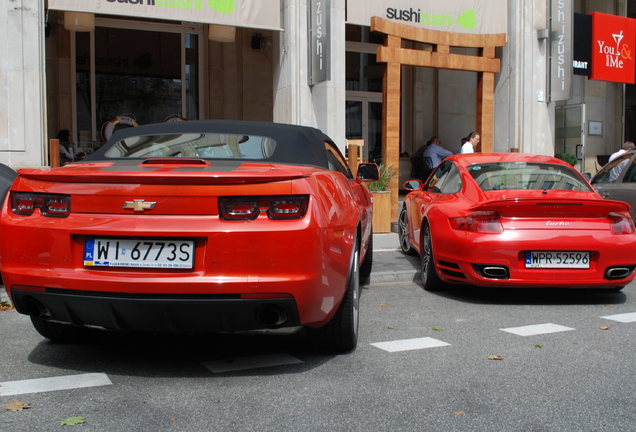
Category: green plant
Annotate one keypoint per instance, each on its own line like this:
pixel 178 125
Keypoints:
pixel 567 157
pixel 386 174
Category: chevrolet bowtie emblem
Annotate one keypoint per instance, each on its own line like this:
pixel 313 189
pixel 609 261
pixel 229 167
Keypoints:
pixel 139 205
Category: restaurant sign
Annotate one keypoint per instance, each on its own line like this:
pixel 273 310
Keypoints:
pixel 262 14
pixel 613 48
pixel 458 16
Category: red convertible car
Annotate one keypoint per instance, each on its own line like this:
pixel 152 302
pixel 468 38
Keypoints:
pixel 198 226
pixel 516 220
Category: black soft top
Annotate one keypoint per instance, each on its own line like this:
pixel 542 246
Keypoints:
pixel 296 145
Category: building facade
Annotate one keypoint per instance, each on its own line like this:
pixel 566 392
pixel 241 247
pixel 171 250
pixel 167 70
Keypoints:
pixel 308 62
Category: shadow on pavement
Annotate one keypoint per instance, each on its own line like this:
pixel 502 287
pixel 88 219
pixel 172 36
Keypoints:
pixel 175 356
pixel 532 296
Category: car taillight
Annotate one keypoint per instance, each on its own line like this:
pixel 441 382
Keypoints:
pixel 484 222
pixel 52 205
pixel 276 207
pixel 622 223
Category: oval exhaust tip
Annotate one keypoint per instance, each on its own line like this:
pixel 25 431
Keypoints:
pixel 495 272
pixel 617 273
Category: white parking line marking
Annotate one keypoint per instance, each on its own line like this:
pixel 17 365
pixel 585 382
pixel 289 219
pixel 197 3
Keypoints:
pixel 253 362
pixel 624 318
pixel 67 382
pixel 537 329
pixel 410 344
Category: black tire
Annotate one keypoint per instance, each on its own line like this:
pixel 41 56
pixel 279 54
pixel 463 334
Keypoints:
pixel 367 263
pixel 341 333
pixel 430 279
pixel 65 333
pixel 403 233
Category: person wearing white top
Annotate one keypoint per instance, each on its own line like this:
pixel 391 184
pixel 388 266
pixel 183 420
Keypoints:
pixel 473 141
pixel 67 146
pixel 616 171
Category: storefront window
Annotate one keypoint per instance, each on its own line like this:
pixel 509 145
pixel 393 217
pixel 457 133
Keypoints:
pixel 363 72
pixel 192 75
pixel 138 75
pixel 83 90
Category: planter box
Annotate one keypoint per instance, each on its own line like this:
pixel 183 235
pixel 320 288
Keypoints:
pixel 381 212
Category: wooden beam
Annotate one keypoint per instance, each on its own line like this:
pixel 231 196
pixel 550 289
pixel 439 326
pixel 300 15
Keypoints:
pixel 54 152
pixel 391 104
pixel 438 60
pixel 485 110
pixel 439 56
pixel 436 37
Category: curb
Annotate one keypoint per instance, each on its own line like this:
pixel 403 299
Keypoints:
pixel 391 277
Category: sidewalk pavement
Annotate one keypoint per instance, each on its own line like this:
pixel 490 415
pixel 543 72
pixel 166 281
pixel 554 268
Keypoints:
pixel 389 263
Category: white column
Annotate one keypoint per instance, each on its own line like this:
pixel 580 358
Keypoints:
pixel 322 105
pixel 22 88
pixel 522 111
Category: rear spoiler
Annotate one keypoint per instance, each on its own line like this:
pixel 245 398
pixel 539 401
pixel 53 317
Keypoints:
pixel 161 174
pixel 553 206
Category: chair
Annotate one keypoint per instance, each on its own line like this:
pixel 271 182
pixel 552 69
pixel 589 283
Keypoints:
pixel 420 167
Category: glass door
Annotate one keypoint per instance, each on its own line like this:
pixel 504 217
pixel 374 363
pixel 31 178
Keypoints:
pixel 364 121
pixel 570 132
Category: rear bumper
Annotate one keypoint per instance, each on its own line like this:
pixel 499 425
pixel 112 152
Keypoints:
pixel 158 313
pixel 298 259
pixel 461 258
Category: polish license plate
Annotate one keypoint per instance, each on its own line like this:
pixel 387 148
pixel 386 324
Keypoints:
pixel 557 259
pixel 154 253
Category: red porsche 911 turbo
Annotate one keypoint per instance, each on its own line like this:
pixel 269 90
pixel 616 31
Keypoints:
pixel 194 226
pixel 516 220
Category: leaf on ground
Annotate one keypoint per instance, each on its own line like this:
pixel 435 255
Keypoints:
pixel 382 305
pixel 5 305
pixel 494 357
pixel 390 327
pixel 604 328
pixel 72 421
pixel 16 405
pixel 174 419
pixel 538 346
pixel 438 329
pixel 458 412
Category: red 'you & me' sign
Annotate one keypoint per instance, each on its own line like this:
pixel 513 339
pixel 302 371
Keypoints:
pixel 613 48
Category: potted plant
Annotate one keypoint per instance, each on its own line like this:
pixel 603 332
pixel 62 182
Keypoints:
pixel 567 157
pixel 382 199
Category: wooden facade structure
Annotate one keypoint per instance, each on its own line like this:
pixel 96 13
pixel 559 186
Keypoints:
pixel 440 57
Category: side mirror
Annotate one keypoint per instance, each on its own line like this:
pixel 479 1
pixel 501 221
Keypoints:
pixel 587 176
pixel 368 172
pixel 413 185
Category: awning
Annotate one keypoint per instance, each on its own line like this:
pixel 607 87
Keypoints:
pixel 458 16
pixel 261 14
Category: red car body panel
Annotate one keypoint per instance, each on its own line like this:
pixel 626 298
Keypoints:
pixel 531 220
pixel 305 261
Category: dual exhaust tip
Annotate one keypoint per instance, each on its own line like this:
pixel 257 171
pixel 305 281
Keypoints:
pixel 501 272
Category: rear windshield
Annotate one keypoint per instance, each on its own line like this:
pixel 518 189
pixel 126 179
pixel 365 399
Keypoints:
pixel 199 145
pixel 526 175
